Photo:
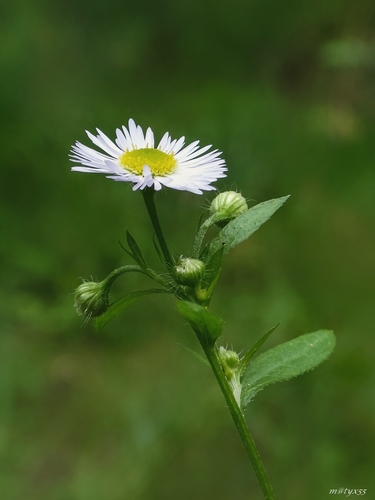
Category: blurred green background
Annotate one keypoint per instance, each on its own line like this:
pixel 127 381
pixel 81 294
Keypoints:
pixel 287 91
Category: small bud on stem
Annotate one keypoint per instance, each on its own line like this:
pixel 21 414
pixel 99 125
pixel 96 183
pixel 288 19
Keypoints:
pixel 189 272
pixel 227 206
pixel 91 299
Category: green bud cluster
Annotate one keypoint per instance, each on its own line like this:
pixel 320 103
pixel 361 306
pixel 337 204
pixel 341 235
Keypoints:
pixel 229 360
pixel 227 206
pixel 91 299
pixel 189 272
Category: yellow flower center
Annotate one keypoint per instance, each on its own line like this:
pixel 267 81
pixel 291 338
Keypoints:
pixel 160 163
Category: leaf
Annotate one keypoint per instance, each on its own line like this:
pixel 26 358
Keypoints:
pixel 286 361
pixel 157 249
pixel 121 304
pixel 125 250
pixel 136 251
pixel 243 226
pixel 205 324
pixel 195 354
pixel 200 220
pixel 253 350
pixel 213 270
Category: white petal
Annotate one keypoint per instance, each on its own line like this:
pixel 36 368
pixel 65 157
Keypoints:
pixel 157 185
pixel 179 144
pixel 164 141
pixel 149 138
pixel 197 153
pixel 109 147
pixel 121 140
pixel 89 170
pixel 128 138
pixel 114 167
pixel 140 138
pixel 133 133
pixel 189 149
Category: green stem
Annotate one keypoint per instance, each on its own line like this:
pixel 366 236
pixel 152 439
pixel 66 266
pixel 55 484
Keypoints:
pixel 240 422
pixel 111 278
pixel 148 196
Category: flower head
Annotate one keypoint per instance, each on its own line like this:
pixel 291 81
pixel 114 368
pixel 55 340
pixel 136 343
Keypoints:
pixel 134 158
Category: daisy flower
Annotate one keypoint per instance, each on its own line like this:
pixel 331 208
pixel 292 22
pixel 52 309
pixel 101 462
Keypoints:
pixel 134 158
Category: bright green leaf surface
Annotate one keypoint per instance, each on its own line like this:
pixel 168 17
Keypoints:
pixel 206 325
pixel 243 226
pixel 120 305
pixel 286 361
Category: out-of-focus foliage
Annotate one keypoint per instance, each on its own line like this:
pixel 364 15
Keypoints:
pixel 286 91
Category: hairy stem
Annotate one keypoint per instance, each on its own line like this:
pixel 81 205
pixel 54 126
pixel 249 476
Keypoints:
pixel 111 278
pixel 240 422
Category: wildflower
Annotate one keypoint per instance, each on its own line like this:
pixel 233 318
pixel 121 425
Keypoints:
pixel 134 158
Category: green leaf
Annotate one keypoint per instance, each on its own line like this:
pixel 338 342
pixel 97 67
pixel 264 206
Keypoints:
pixel 253 350
pixel 157 249
pixel 213 270
pixel 121 304
pixel 195 354
pixel 200 220
pixel 286 361
pixel 243 226
pixel 136 251
pixel 205 324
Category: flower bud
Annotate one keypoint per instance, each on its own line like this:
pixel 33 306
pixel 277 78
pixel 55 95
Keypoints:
pixel 227 206
pixel 229 359
pixel 230 362
pixel 91 299
pixel 188 271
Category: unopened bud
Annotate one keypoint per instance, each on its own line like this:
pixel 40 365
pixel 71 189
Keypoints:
pixel 230 363
pixel 189 272
pixel 227 206
pixel 229 358
pixel 91 299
